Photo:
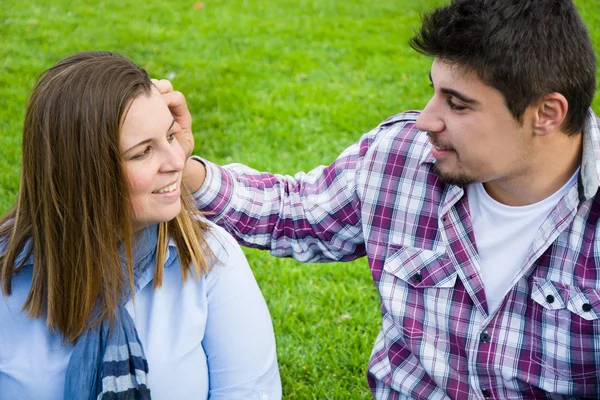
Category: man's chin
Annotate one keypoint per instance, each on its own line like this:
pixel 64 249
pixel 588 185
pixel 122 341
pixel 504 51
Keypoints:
pixel 457 178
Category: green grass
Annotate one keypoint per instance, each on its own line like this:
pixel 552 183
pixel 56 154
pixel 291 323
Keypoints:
pixel 282 85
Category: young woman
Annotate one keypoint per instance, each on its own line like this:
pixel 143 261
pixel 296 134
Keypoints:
pixel 112 285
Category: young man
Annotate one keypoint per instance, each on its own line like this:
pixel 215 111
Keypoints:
pixel 479 215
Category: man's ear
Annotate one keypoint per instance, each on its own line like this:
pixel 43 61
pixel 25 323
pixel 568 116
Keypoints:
pixel 550 113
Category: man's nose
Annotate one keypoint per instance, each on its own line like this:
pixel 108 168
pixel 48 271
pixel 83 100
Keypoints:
pixel 430 119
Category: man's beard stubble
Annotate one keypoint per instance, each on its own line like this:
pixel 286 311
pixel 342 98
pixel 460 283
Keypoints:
pixel 458 178
pixel 451 178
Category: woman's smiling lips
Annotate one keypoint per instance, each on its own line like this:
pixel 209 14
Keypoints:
pixel 170 191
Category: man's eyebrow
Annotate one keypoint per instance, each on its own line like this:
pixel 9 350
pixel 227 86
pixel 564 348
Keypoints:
pixel 459 96
pixel 454 93
pixel 148 140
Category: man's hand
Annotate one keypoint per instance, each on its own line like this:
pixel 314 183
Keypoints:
pixel 194 172
pixel 179 109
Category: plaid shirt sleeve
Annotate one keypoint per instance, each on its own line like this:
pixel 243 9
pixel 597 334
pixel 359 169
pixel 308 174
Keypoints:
pixel 381 198
pixel 312 217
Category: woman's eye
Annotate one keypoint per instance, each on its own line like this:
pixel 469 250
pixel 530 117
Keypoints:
pixel 142 154
pixel 170 137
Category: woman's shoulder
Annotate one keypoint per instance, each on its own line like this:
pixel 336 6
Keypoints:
pixel 20 285
pixel 230 261
pixel 222 243
pixel 21 280
pixel 228 254
pixel 17 327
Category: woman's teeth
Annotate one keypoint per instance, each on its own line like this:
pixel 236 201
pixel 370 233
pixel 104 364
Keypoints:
pixel 167 189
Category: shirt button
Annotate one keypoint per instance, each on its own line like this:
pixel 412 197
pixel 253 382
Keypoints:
pixel 264 396
pixel 485 337
pixel 550 299
pixel 417 277
pixel 587 307
pixel 486 393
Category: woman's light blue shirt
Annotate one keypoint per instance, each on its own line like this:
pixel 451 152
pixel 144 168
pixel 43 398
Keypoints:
pixel 206 338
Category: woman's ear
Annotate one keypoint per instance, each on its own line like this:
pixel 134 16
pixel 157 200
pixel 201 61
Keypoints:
pixel 550 113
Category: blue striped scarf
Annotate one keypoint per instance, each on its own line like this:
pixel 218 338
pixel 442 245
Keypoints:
pixel 109 364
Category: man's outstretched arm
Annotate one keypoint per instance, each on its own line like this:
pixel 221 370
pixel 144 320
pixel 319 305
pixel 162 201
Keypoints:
pixel 312 217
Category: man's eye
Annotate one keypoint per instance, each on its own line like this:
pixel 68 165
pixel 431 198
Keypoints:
pixel 454 106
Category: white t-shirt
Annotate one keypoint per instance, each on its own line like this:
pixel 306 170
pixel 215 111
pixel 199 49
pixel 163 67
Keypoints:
pixel 504 234
pixel 206 337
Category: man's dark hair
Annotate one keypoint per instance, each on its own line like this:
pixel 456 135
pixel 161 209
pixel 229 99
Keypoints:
pixel 523 48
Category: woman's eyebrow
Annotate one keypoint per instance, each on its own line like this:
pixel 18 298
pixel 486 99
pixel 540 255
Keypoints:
pixel 150 139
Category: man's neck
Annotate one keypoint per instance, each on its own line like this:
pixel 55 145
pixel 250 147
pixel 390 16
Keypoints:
pixel 551 166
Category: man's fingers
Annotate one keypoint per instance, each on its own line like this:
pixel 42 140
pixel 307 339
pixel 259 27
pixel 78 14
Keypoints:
pixel 163 85
pixel 176 103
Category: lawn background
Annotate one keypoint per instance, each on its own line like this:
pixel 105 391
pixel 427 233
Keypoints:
pixel 281 85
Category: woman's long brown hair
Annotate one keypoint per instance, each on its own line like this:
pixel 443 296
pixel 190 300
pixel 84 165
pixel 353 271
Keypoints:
pixel 73 197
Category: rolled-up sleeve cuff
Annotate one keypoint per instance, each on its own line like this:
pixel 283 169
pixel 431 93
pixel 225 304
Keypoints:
pixel 214 195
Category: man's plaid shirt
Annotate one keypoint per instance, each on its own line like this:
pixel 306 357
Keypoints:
pixel 438 339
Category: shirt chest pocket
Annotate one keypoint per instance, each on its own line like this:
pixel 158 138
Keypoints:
pixel 420 268
pixel 416 284
pixel 565 333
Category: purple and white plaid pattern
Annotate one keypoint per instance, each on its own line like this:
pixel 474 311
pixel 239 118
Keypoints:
pixel 438 340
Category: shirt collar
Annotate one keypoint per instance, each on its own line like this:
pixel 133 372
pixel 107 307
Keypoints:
pixel 426 157
pixel 589 177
